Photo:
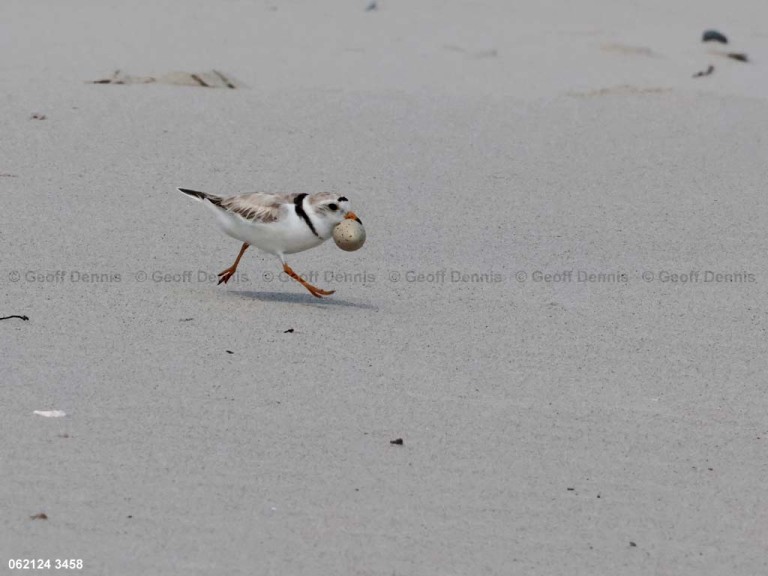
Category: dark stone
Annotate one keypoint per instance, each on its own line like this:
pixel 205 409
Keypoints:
pixel 713 36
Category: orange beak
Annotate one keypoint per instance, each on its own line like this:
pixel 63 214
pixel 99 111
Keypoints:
pixel 352 216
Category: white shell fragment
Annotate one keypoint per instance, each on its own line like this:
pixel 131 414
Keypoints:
pixel 349 235
pixel 50 413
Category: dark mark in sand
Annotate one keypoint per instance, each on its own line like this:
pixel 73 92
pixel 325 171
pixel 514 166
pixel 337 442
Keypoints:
pixel 397 442
pixel 25 318
pixel 740 56
pixel 706 72
pixel 492 53
pixel 713 36
pixel 289 331
pixel 40 516
pixel 199 80
pixel 230 352
pixel 224 79
pixel 113 80
pixel 206 79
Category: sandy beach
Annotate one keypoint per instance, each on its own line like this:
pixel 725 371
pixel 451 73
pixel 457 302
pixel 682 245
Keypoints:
pixel 561 307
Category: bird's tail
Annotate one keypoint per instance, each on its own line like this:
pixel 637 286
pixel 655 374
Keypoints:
pixel 201 196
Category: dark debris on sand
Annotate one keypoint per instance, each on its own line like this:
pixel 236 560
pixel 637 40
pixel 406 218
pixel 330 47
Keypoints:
pixel 706 72
pixel 740 56
pixel 25 318
pixel 713 36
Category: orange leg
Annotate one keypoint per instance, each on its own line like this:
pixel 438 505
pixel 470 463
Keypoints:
pixel 314 290
pixel 229 272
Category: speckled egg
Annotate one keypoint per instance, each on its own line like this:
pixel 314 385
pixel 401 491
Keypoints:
pixel 349 235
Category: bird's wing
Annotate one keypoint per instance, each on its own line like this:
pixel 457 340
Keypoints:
pixel 257 207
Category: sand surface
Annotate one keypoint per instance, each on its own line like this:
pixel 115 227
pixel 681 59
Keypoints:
pixel 498 153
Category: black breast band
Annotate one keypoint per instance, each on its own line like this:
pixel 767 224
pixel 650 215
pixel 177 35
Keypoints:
pixel 298 202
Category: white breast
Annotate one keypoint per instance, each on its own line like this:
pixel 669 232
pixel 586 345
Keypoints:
pixel 288 235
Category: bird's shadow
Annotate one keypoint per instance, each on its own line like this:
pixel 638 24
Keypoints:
pixel 293 298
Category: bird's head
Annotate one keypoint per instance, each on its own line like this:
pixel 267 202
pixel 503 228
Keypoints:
pixel 332 208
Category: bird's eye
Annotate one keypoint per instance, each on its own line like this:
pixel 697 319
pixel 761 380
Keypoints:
pixel 333 207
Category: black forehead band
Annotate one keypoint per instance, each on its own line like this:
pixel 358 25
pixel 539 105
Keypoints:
pixel 342 199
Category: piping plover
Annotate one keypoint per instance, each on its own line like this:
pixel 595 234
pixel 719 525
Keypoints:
pixel 278 224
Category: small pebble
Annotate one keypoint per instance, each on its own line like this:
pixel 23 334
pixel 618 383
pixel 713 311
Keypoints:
pixel 706 72
pixel 713 36
pixel 397 442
